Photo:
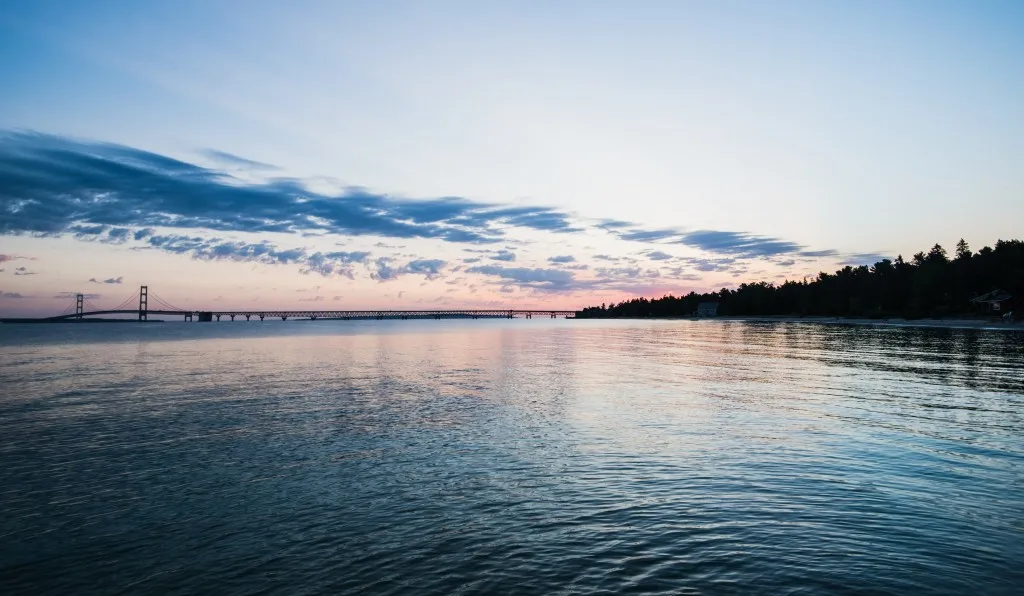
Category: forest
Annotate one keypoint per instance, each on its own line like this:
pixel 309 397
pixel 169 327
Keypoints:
pixel 932 284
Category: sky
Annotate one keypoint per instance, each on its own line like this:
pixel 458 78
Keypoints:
pixel 464 154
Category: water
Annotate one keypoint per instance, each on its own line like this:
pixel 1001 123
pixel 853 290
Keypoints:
pixel 510 457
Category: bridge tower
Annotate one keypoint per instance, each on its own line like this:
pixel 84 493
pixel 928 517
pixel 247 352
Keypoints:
pixel 143 302
pixel 79 306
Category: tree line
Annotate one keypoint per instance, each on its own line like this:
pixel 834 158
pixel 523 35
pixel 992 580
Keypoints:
pixel 931 284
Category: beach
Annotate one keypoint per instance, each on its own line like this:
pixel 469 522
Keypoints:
pixel 957 323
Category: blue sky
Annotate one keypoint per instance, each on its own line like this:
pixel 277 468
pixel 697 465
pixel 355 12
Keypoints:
pixel 417 153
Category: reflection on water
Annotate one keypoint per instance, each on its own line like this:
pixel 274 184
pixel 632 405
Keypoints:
pixel 510 456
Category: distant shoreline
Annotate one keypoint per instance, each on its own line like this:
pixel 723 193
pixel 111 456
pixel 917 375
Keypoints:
pixel 986 324
pixel 897 322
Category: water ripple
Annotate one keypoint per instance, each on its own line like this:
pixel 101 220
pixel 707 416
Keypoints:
pixel 511 457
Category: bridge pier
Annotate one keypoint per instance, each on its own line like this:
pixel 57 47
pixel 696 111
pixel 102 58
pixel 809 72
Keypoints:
pixel 143 303
pixel 284 317
pixel 312 317
pixel 232 317
pixel 218 318
pixel 247 317
pixel 554 316
pixel 261 317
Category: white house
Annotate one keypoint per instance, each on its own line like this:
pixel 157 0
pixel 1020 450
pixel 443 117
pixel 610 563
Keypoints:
pixel 707 309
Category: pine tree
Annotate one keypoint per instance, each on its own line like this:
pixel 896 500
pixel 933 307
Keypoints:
pixel 937 254
pixel 963 252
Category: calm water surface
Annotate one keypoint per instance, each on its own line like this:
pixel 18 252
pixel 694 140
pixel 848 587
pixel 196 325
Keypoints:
pixel 510 457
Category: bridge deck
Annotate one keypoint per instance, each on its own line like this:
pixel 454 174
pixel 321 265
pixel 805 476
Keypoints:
pixel 145 298
pixel 320 314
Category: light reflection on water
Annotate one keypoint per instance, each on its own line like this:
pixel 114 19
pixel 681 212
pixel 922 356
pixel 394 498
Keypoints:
pixel 510 456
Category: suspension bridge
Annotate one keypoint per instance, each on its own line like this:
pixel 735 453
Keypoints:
pixel 145 303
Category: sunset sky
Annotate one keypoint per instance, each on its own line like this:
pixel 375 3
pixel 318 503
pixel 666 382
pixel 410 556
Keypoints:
pixel 424 154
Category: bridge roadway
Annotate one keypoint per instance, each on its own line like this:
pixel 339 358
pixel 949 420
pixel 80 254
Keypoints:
pixel 284 315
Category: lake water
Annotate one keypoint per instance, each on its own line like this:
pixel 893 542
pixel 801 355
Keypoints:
pixel 497 456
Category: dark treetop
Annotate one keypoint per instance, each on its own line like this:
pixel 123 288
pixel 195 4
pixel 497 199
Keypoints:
pixel 930 285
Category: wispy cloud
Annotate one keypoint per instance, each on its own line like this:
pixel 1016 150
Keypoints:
pixel 233 161
pixel 562 259
pixel 331 263
pixel 540 279
pixel 54 186
pixel 50 185
pixel 112 280
pixel 709 265
pixel 737 243
pixel 856 260
pixel 741 244
pixel 385 269
pixel 265 252
pixel 647 235
pixel 680 274
pixel 429 268
pixel 818 253
pixel 626 272
pixel 614 224
pixel 657 255
pixel 563 281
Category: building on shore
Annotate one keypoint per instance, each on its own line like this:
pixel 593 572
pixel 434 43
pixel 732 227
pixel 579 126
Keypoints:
pixel 996 302
pixel 707 309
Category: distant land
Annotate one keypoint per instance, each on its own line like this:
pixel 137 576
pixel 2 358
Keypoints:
pixel 76 321
pixel 989 283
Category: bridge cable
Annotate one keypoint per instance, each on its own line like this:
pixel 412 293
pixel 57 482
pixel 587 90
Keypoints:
pixel 128 302
pixel 123 305
pixel 132 299
pixel 161 302
pixel 165 303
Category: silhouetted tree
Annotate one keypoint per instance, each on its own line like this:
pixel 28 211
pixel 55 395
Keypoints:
pixel 963 252
pixel 930 285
